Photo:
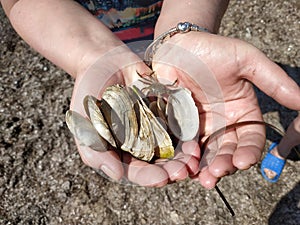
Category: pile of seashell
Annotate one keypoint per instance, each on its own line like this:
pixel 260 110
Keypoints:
pixel 144 122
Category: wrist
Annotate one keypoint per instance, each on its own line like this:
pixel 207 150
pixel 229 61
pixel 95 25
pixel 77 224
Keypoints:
pixel 204 13
pixel 95 52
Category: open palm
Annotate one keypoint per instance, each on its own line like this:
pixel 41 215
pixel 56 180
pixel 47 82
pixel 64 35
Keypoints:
pixel 220 71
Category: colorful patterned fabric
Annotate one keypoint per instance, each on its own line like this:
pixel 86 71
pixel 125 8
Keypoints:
pixel 129 19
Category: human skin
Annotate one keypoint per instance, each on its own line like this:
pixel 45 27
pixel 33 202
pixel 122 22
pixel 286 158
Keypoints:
pixel 242 147
pixel 70 37
pixel 235 65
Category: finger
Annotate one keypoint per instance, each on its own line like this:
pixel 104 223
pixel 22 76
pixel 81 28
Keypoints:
pixel 222 164
pixel 145 174
pixel 191 163
pixel 180 167
pixel 191 148
pixel 108 161
pixel 217 160
pixel 251 140
pixel 206 179
pixel 176 170
pixel 184 163
pixel 272 80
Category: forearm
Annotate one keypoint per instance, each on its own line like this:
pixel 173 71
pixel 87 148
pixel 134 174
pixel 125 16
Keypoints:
pixel 62 31
pixel 205 13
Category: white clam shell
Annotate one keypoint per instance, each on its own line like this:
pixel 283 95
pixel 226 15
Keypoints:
pixel 183 116
pixel 93 111
pixel 123 118
pixel 119 109
pixel 84 131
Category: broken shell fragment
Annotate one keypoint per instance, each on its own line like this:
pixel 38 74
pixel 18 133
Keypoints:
pixel 143 147
pixel 163 142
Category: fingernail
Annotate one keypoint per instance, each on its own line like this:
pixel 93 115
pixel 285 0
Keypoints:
pixel 109 172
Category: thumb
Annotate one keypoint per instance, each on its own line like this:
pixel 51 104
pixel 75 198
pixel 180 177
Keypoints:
pixel 273 81
pixel 107 161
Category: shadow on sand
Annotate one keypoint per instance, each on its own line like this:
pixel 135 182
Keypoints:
pixel 287 210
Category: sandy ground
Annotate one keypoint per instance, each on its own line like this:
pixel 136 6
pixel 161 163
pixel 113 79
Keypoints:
pixel 43 180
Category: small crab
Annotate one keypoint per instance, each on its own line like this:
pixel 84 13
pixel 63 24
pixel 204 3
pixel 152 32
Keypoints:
pixel 155 87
